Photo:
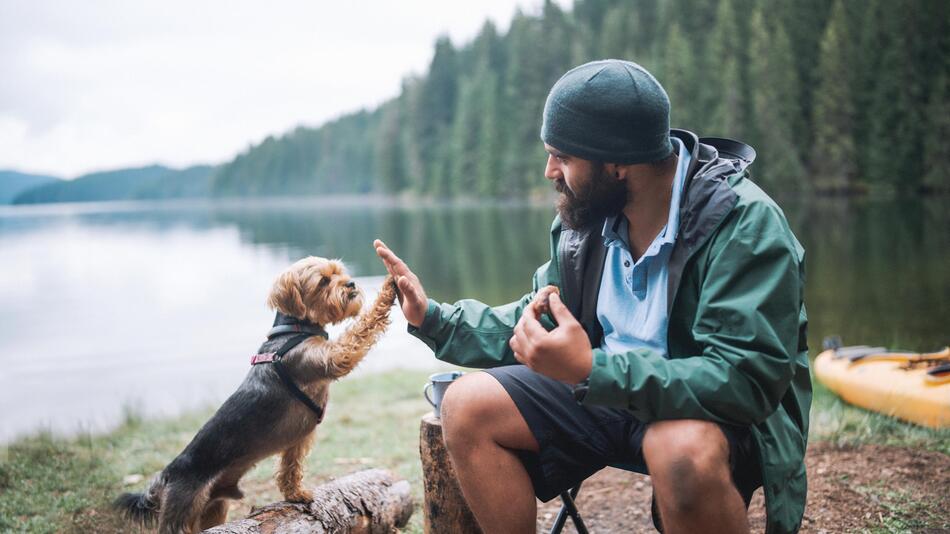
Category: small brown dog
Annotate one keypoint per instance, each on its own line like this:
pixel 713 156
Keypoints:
pixel 265 415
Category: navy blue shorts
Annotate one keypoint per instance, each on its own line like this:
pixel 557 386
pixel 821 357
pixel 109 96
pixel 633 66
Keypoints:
pixel 577 441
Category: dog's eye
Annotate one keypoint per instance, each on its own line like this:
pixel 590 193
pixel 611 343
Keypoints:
pixel 323 282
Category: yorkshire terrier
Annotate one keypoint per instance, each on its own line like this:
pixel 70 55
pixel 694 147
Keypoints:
pixel 276 408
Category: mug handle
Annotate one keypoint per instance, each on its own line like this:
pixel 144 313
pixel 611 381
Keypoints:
pixel 425 393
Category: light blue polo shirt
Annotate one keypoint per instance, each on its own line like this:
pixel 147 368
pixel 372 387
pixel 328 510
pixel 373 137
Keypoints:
pixel 631 304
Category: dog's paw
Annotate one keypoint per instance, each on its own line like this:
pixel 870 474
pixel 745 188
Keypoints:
pixel 300 495
pixel 389 291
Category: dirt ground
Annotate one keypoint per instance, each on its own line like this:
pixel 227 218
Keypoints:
pixel 849 490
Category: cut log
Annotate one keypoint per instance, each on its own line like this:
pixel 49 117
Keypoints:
pixel 366 502
pixel 445 507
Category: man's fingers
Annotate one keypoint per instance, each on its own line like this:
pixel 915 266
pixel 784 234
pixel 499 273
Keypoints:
pixel 559 310
pixel 392 261
pixel 514 344
pixel 407 288
pixel 405 284
pixel 531 326
pixel 381 252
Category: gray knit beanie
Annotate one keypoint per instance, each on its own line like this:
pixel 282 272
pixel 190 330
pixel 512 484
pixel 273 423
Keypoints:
pixel 612 111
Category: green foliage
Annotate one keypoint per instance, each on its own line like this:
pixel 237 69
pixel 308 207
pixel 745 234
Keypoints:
pixel 779 165
pixel 679 65
pixel 936 146
pixel 834 95
pixel 834 155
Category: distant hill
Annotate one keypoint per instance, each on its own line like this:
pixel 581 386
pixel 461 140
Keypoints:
pixel 152 182
pixel 12 183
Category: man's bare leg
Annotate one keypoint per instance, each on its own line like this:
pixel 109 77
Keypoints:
pixel 689 466
pixel 482 429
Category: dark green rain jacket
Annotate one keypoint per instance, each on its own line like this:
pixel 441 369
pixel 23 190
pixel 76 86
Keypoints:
pixel 736 338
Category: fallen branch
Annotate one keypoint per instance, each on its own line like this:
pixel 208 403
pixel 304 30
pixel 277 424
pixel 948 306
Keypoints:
pixel 365 502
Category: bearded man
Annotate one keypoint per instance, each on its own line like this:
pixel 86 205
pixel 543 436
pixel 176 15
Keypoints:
pixel 675 347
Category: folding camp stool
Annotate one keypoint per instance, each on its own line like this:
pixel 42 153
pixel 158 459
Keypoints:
pixel 569 509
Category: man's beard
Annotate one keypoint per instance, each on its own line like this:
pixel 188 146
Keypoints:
pixel 602 197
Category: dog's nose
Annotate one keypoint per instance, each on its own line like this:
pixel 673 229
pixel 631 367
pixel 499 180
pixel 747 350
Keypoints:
pixel 351 284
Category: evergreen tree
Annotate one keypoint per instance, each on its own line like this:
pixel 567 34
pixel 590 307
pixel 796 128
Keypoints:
pixel 389 152
pixel 833 153
pixel 415 165
pixel 895 144
pixel 775 96
pixel 865 31
pixel 727 107
pixel 804 21
pixel 526 86
pixel 648 36
pixel 620 25
pixel 677 77
pixel 937 119
pixel 435 113
pixel 488 146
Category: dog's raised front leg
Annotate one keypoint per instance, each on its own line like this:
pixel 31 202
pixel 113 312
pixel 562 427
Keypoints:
pixel 344 353
pixel 290 474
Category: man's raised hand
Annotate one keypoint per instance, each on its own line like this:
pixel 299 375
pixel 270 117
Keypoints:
pixel 412 297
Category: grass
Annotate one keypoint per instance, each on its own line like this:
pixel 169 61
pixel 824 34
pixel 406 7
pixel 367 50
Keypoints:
pixel 903 512
pixel 51 484
pixel 844 425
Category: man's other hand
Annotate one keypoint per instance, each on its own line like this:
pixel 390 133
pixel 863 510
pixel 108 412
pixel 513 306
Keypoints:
pixel 412 297
pixel 563 354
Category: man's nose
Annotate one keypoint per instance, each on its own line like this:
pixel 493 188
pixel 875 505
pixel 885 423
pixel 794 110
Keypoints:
pixel 551 170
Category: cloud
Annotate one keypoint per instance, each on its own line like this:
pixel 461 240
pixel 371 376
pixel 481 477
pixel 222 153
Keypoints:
pixel 105 84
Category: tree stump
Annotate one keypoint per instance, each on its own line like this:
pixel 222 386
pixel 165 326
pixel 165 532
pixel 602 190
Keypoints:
pixel 445 507
pixel 366 502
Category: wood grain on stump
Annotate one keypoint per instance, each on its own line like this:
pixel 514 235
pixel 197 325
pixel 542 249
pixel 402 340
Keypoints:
pixel 366 502
pixel 445 508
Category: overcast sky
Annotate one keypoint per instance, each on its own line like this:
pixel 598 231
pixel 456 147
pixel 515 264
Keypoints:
pixel 100 84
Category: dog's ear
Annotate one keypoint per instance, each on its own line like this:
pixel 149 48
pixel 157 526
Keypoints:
pixel 286 297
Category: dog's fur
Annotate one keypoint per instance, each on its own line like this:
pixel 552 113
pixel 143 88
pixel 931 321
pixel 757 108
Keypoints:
pixel 262 418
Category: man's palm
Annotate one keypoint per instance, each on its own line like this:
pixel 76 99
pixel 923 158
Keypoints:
pixel 412 297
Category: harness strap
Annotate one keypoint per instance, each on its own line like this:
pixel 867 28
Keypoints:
pixel 296 392
pixel 313 329
pixel 288 381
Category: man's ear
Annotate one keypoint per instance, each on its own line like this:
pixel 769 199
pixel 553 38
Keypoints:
pixel 615 171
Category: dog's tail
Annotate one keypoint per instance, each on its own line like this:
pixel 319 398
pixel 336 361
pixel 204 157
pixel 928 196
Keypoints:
pixel 142 508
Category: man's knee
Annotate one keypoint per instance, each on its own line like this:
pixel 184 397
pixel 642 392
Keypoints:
pixel 466 402
pixel 475 408
pixel 687 457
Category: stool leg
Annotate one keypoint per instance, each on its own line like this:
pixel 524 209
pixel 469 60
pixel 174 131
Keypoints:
pixel 569 509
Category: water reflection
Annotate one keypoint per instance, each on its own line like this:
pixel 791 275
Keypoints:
pixel 158 304
pixel 488 252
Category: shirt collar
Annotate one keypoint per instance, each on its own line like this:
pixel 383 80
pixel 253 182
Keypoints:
pixel 615 228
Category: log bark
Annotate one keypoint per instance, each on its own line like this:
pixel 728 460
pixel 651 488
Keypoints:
pixel 366 502
pixel 445 508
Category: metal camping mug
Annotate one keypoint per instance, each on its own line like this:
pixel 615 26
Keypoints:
pixel 438 383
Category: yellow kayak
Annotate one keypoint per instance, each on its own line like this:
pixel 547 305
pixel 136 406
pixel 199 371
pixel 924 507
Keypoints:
pixel 910 386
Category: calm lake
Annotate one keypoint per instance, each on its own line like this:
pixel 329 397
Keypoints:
pixel 156 307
